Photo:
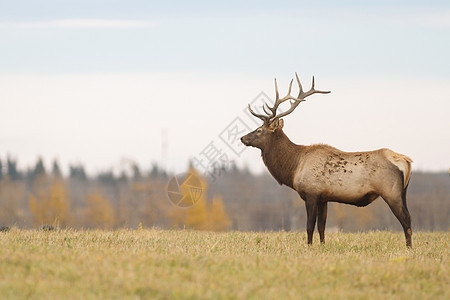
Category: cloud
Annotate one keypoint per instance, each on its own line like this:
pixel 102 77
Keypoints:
pixel 78 23
pixel 428 19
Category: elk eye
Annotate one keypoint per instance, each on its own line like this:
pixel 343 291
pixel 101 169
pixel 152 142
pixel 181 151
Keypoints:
pixel 259 130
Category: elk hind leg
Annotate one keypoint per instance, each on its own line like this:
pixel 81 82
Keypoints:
pixel 322 219
pixel 398 207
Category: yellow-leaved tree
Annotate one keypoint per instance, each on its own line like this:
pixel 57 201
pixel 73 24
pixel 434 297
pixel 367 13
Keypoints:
pixel 193 210
pixel 218 218
pixel 197 215
pixel 99 212
pixel 189 206
pixel 50 205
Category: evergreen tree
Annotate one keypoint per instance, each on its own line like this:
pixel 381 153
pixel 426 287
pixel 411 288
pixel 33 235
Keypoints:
pixel 77 172
pixel 12 171
pixel 56 171
pixel 136 173
pixel 157 172
pixel 123 178
pixel 107 178
pixel 233 168
pixel 39 169
pixel 154 172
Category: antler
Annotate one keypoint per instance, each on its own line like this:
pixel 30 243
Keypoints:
pixel 303 95
pixel 272 115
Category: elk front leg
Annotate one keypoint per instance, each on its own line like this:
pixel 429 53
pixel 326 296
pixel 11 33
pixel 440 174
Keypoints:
pixel 322 219
pixel 311 216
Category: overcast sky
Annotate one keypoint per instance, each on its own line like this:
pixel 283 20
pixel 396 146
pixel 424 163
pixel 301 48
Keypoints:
pixel 107 82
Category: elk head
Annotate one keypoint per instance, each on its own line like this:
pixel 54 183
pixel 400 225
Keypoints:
pixel 263 135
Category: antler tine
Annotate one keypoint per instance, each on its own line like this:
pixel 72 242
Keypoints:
pixel 294 104
pixel 290 87
pixel 272 111
pixel 262 117
pixel 278 101
pixel 300 98
pixel 276 91
pixel 300 88
pixel 264 108
pixel 303 95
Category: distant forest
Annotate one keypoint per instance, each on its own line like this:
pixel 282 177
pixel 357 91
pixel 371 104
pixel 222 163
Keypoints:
pixel 235 200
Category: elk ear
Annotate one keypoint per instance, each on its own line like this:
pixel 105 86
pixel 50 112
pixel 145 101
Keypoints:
pixel 277 124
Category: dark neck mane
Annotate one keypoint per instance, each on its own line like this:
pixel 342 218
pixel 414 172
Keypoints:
pixel 281 158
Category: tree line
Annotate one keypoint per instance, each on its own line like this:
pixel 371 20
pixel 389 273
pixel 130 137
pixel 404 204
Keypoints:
pixel 235 200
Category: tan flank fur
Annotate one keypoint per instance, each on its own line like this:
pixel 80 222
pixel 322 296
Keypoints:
pixel 322 174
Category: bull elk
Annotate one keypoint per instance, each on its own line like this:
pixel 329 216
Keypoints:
pixel 321 173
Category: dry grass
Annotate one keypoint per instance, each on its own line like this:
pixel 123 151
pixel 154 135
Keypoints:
pixel 162 264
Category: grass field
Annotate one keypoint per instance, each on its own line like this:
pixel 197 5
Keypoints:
pixel 134 264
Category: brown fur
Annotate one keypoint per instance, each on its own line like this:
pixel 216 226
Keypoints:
pixel 321 173
pixel 281 158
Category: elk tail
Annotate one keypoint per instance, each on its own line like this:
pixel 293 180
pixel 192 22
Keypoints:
pixel 406 177
pixel 407 172
pixel 403 163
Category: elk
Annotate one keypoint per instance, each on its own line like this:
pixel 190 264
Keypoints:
pixel 321 173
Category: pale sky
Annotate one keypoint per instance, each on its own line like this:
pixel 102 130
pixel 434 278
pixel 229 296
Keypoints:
pixel 107 82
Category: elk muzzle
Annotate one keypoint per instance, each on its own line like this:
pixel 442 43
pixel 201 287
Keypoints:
pixel 245 141
pixel 248 139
